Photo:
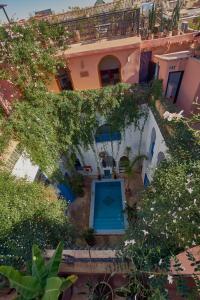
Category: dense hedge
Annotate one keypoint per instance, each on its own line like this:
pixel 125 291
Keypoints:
pixel 30 214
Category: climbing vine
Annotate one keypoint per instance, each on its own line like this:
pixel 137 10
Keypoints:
pixel 49 124
pixel 27 52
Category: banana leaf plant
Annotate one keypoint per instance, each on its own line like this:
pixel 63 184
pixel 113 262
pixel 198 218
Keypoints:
pixel 43 283
pixel 130 168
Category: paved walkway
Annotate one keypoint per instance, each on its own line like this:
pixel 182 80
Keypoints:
pixel 79 211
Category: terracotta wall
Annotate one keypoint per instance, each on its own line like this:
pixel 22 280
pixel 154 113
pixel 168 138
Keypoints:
pixel 170 66
pixel 84 70
pixel 190 86
pixel 52 84
pixel 168 44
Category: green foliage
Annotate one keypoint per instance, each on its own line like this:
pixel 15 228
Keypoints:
pixel 168 216
pixel 130 167
pixel 43 283
pixel 156 89
pixel 76 182
pixel 28 52
pixel 195 23
pixel 30 213
pixel 176 15
pixel 89 236
pixel 48 125
pixel 152 18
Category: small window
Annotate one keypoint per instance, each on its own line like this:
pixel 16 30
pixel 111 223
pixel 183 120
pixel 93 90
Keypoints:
pixel 173 85
pixel 152 144
pixel 78 165
pixel 146 181
pixel 106 134
pixel 64 79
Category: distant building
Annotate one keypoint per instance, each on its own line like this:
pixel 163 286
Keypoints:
pixel 45 12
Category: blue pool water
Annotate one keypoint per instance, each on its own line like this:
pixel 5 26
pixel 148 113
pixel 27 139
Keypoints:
pixel 108 206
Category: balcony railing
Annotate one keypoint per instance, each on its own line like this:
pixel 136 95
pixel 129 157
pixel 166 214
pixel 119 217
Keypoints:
pixel 105 25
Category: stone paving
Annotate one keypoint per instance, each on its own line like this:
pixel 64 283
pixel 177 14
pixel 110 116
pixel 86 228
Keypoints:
pixel 79 211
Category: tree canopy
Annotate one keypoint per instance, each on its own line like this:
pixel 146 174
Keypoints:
pixel 167 219
pixel 30 214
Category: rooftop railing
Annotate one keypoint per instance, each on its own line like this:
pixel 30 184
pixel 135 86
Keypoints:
pixel 119 23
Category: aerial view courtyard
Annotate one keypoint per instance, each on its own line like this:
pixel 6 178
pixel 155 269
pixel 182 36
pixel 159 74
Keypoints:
pixel 100 150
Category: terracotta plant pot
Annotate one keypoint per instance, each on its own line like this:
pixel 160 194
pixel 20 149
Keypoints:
pixel 77 36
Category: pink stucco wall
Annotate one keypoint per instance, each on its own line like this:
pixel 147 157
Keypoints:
pixel 167 66
pixel 84 69
pixel 83 59
pixel 190 86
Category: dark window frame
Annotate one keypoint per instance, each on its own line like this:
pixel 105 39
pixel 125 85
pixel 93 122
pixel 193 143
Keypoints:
pixel 178 86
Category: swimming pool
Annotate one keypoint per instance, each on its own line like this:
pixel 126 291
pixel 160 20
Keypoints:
pixel 107 207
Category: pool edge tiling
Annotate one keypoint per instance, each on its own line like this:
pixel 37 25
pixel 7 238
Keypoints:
pixel 108 231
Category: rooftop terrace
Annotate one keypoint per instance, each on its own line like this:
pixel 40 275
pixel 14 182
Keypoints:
pixel 102 45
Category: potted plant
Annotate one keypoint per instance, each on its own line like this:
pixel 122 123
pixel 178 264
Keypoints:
pixel 89 236
pixel 130 169
pixel 77 36
pixel 103 291
pixel 114 174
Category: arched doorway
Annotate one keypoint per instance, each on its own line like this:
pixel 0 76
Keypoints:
pixel 109 70
pixel 123 163
pixel 108 162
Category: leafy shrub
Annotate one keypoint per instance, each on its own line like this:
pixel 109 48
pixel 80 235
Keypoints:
pixel 30 213
pixel 89 236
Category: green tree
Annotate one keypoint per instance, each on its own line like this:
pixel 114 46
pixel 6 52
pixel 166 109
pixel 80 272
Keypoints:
pixel 168 214
pixel 30 214
pixel 130 168
pixel 43 283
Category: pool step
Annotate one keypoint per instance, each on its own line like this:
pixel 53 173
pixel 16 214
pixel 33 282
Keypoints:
pixel 109 223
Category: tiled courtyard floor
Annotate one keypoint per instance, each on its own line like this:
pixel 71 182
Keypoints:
pixel 79 211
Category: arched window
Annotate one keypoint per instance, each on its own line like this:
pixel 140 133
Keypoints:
pixel 123 163
pixel 77 165
pixel 161 157
pixel 106 134
pixel 64 79
pixel 152 144
pixel 109 70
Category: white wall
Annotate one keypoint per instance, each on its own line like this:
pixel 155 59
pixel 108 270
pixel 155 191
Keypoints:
pixel 116 149
pixel 24 168
pixel 130 138
pixel 149 166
